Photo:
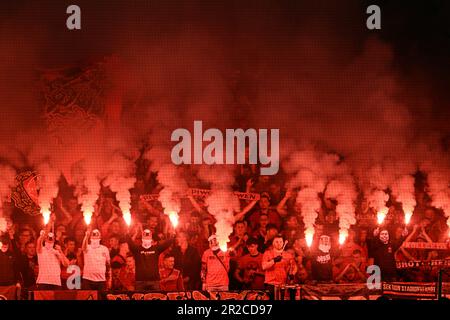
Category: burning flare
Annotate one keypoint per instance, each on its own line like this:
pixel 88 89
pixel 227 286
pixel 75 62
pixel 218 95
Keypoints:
pixel 309 234
pixel 173 217
pixel 87 215
pixel 127 217
pixel 381 215
pixel 342 237
pixel 223 246
pixel 408 215
pixel 45 211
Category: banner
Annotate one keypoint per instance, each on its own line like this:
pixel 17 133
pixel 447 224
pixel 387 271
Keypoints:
pixel 149 197
pixel 8 292
pixel 414 290
pixel 426 245
pixel 24 194
pixel 190 295
pixel 203 193
pixel 357 291
pixel 65 295
pixel 75 98
pixel 422 263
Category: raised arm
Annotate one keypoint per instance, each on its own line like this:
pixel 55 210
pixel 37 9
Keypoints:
pixel 427 237
pixel 404 237
pixel 40 241
pixel 150 208
pixel 161 247
pixel 342 273
pixel 131 243
pixel 196 205
pixel 281 205
pixel 247 208
pixel 84 244
pixel 105 226
pixel 14 246
pixel 66 214
pixel 62 258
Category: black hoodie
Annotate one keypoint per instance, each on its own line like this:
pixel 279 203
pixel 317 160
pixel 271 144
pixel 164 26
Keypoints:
pixel 147 268
pixel 9 270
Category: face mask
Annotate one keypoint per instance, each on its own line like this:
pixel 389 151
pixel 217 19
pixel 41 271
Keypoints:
pixel 146 243
pixel 215 248
pixel 49 245
pixel 95 243
pixel 324 248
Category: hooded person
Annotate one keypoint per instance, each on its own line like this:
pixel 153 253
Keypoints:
pixel 322 260
pixel 215 267
pixel 97 263
pixel 146 256
pixel 9 274
pixel 383 252
pixel 50 259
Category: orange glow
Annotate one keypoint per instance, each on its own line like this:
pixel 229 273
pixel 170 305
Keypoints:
pixel 309 234
pixel 381 215
pixel 46 214
pixel 342 237
pixel 87 215
pixel 3 224
pixel 408 215
pixel 127 217
pixel 173 217
pixel 223 247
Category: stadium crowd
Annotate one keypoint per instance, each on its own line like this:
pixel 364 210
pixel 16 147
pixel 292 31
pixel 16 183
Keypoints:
pixel 266 249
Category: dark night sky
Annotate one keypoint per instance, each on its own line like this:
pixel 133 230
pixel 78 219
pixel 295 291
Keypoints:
pixel 247 35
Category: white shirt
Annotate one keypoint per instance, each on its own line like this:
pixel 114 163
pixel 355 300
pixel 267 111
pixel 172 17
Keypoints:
pixel 95 260
pixel 49 267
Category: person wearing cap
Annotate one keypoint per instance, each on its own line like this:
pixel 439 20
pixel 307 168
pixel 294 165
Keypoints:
pixel 215 267
pixel 249 272
pixel 9 269
pixel 50 259
pixel 146 256
pixel 96 262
